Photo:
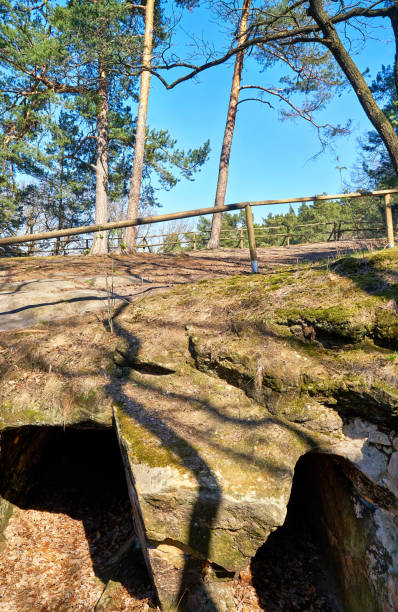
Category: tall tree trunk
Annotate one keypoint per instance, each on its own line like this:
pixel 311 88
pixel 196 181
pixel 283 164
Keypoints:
pixel 139 150
pixel 375 115
pixel 60 223
pixel 13 183
pixel 100 240
pixel 394 24
pixel 214 241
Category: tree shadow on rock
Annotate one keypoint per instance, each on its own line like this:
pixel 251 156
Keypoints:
pixel 174 434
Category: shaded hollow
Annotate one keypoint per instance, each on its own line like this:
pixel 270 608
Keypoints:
pixel 71 529
pixel 295 569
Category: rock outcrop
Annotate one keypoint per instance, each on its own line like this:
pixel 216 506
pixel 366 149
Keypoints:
pixel 216 389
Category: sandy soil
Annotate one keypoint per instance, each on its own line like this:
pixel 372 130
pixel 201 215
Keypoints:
pixel 40 289
pixel 180 268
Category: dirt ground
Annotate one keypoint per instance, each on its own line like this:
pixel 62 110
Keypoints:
pixel 40 289
pixel 175 269
pixel 72 535
pixel 53 567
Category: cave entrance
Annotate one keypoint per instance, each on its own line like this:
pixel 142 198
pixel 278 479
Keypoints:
pixel 69 543
pixel 294 570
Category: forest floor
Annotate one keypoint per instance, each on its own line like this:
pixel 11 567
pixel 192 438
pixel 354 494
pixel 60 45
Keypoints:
pixel 39 289
pixel 70 539
pixel 50 564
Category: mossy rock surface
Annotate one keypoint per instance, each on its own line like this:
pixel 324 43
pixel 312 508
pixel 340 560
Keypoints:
pixel 203 458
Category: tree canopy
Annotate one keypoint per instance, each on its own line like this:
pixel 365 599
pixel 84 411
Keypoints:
pixel 67 112
pixel 70 85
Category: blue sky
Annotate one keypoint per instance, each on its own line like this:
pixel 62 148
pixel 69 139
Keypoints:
pixel 270 158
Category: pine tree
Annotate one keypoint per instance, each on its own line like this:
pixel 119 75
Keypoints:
pixel 376 162
pixel 214 241
pixel 75 61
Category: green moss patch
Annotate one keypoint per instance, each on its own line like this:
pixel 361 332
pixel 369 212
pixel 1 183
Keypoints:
pixel 333 320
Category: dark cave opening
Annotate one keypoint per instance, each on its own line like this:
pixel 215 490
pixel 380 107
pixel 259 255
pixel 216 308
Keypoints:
pixel 294 570
pixel 77 473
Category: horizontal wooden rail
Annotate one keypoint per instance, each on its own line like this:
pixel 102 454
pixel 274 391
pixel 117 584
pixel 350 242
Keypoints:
pixel 237 235
pixel 236 231
pixel 145 245
pixel 88 229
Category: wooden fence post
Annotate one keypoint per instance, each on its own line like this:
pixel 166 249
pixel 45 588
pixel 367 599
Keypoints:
pixel 389 221
pixel 252 238
pixel 147 246
pixel 241 238
pixel 332 233
pixel 195 242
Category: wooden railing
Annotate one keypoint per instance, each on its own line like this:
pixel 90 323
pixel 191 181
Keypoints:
pixel 251 231
pixel 191 240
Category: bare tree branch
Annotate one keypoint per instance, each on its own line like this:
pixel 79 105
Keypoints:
pixel 281 36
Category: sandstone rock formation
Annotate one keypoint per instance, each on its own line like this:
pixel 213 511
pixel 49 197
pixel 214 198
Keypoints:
pixel 216 389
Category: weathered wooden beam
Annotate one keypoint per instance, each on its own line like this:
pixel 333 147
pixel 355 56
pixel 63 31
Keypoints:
pixel 88 229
